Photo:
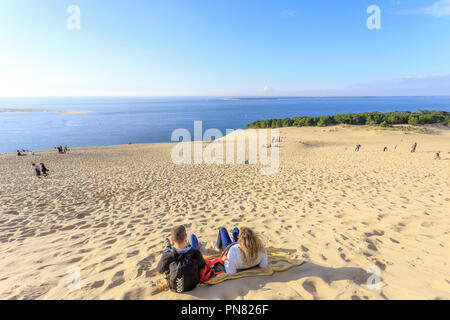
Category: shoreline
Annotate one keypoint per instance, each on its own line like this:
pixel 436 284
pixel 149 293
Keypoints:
pixel 426 129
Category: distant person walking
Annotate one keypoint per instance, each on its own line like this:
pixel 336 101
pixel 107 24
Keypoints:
pixel 385 148
pixel 438 156
pixel 414 146
pixel 358 146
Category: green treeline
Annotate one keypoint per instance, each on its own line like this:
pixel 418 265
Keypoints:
pixel 366 118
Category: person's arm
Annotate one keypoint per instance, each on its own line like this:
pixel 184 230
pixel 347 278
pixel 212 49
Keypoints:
pixel 264 262
pixel 230 263
pixel 164 263
pixel 201 260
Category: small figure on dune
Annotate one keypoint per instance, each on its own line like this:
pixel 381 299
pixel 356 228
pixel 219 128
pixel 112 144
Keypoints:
pixel 37 170
pixel 438 156
pixel 385 148
pixel 19 154
pixel 44 169
pixel 414 146
pixel 358 146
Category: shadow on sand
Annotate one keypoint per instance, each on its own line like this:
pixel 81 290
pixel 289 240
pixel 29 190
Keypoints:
pixel 233 289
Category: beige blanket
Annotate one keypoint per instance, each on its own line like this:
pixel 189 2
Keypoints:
pixel 278 261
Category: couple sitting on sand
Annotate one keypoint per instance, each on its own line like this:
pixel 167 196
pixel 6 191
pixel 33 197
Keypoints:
pixel 40 170
pixel 184 265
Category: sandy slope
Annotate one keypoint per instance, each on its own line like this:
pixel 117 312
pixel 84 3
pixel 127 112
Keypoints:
pixel 106 210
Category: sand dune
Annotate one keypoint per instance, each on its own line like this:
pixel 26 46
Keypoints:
pixel 106 211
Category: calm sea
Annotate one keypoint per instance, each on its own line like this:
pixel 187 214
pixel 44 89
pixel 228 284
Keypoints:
pixel 113 121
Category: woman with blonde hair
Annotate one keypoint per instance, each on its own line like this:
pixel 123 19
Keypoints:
pixel 245 252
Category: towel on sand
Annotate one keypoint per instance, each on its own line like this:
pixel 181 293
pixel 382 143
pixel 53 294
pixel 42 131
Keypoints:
pixel 278 261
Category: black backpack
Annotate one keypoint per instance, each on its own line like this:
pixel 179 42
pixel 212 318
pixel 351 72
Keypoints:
pixel 183 272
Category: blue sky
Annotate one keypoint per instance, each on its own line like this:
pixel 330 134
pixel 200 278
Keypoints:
pixel 224 48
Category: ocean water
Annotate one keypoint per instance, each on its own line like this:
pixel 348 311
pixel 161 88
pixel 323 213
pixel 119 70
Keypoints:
pixel 113 121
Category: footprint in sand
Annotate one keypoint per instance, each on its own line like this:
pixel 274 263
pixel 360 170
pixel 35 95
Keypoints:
pixel 380 265
pixel 112 241
pixel 144 266
pixel 112 267
pixel 135 294
pixel 371 245
pixel 344 257
pixel 111 258
pixel 310 287
pixel 75 260
pixel 116 280
pixel 101 225
pixel 97 284
pixel 374 233
pixel 132 254
pixel 427 224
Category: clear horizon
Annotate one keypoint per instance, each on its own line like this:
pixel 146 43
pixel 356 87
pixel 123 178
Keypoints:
pixel 233 97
